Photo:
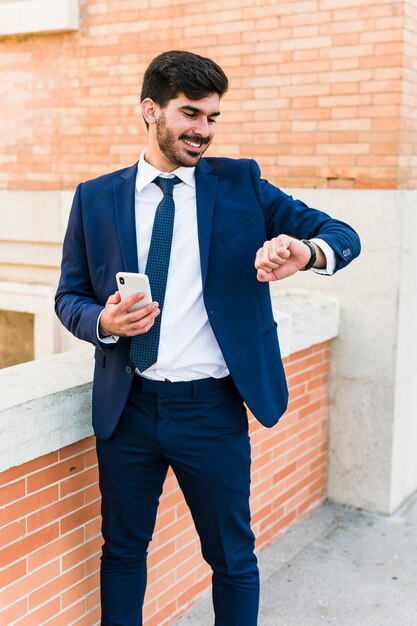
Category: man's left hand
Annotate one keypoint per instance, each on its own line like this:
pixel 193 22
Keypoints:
pixel 283 256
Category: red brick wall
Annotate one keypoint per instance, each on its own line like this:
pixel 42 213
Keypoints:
pixel 50 527
pixel 317 93
pixel 408 154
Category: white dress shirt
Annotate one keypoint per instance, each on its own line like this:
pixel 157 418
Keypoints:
pixel 188 349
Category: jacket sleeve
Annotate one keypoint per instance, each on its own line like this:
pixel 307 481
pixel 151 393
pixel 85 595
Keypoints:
pixel 75 303
pixel 284 215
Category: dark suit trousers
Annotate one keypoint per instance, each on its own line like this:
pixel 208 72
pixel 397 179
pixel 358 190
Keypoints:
pixel 200 429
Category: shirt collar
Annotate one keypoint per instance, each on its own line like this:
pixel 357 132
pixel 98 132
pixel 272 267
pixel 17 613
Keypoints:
pixel 147 173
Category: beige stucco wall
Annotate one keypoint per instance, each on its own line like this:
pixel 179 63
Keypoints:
pixel 32 227
pixel 373 418
pixel 404 468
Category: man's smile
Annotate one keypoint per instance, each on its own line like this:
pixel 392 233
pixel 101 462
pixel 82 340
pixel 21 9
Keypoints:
pixel 195 143
pixel 192 143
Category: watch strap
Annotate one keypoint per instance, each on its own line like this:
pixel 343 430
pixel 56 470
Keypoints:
pixel 313 257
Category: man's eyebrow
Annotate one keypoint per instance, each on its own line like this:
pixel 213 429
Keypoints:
pixel 192 109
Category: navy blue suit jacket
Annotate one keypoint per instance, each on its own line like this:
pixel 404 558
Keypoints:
pixel 237 212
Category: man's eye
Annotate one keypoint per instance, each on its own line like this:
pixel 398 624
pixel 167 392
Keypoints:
pixel 188 114
pixel 212 120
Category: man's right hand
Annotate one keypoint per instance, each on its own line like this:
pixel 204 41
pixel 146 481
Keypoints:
pixel 117 320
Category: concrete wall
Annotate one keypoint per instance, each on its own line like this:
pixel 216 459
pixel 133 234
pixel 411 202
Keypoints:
pixel 32 227
pixel 404 470
pixel 372 424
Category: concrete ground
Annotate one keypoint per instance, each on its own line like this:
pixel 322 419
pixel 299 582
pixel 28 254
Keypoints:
pixel 339 566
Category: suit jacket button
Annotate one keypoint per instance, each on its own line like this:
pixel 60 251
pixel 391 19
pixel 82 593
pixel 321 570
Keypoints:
pixel 128 369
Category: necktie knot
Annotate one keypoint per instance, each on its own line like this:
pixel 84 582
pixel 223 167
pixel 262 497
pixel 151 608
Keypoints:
pixel 166 184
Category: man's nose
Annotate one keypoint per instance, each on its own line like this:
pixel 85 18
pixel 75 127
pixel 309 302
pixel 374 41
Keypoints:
pixel 202 128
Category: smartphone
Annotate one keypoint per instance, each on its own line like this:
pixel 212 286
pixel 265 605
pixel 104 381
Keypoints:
pixel 129 283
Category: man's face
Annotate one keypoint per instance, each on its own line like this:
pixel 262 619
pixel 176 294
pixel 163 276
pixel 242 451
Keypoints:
pixel 183 130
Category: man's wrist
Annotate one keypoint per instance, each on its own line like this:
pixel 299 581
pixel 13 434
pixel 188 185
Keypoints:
pixel 313 252
pixel 102 331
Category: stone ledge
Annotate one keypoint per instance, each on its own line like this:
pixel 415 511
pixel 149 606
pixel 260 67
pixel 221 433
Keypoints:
pixel 19 17
pixel 304 319
pixel 45 404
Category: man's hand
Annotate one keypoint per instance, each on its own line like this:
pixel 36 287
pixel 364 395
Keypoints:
pixel 116 319
pixel 283 256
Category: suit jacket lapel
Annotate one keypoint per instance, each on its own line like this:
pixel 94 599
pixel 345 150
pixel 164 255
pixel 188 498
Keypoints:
pixel 206 186
pixel 124 199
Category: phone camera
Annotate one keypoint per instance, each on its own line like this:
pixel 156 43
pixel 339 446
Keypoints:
pixel 122 280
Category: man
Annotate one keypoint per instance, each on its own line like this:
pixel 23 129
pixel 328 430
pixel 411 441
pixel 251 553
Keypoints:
pixel 171 377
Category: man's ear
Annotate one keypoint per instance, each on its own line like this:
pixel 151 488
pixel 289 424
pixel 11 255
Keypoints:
pixel 149 110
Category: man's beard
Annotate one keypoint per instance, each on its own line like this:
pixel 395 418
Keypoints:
pixel 168 144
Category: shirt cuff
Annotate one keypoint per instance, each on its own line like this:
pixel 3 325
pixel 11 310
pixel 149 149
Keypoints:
pixel 330 257
pixel 111 338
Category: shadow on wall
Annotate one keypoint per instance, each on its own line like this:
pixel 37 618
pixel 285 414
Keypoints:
pixel 16 338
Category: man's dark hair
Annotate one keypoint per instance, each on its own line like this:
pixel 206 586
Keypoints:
pixel 178 71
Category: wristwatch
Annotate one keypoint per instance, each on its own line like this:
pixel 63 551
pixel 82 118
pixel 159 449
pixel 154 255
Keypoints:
pixel 313 257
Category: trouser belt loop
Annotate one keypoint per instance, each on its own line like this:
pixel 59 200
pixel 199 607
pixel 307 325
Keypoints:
pixel 195 389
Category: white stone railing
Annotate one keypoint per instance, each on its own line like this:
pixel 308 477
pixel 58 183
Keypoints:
pixel 19 17
pixel 45 404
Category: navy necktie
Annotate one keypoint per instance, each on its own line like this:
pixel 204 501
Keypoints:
pixel 144 348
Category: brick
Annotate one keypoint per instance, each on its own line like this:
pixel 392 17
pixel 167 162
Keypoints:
pixel 301 43
pixel 80 517
pixel 150 608
pixel 76 592
pixel 58 547
pixel 194 590
pixel 55 511
pixel 192 564
pixel 24 506
pixel 162 615
pixel 11 532
pixel 12 613
pixel 371 62
pixel 70 615
pixel 30 543
pixel 186 537
pixel 41 615
pixel 78 482
pixel 24 586
pixel 289 469
pixel 55 473
pixel 25 469
pixel 55 586
pixel 92 564
pixel 93 528
pixel 9 575
pixel 93 600
pixel 90 619
pixel 82 553
pixel 10 493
